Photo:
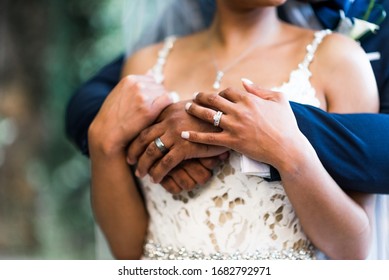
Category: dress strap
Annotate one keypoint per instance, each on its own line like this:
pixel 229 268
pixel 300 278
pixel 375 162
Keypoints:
pixel 157 70
pixel 312 47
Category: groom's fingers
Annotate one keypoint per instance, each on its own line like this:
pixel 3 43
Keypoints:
pixel 182 178
pixel 198 171
pixel 139 145
pixel 161 167
pixel 163 101
pixel 189 174
pixel 170 185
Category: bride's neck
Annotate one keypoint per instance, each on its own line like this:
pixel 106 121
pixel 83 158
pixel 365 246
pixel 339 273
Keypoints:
pixel 231 29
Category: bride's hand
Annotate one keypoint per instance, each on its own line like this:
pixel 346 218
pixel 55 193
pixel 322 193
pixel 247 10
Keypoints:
pixel 257 123
pixel 131 106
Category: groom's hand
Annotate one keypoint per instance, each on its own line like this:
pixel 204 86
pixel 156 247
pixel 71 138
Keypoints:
pixel 168 127
pixel 190 173
pixel 132 105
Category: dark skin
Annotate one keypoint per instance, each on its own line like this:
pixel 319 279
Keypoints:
pixel 187 164
pixel 150 160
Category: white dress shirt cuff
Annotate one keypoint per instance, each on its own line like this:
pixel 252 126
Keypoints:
pixel 255 168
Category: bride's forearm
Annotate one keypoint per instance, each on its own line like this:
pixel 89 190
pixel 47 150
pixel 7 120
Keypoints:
pixel 334 222
pixel 117 204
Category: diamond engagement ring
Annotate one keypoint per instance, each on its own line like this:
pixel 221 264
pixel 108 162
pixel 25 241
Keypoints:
pixel 158 142
pixel 217 117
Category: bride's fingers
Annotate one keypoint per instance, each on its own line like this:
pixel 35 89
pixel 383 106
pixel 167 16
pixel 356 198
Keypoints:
pixel 232 94
pixel 260 92
pixel 209 138
pixel 214 101
pixel 217 118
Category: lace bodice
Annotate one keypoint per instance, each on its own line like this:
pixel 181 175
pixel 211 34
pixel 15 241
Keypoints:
pixel 233 215
pixel 299 88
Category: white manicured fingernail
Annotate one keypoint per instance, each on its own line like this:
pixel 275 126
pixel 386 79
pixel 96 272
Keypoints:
pixel 187 106
pixel 185 134
pixel 130 78
pixel 195 94
pixel 174 97
pixel 247 81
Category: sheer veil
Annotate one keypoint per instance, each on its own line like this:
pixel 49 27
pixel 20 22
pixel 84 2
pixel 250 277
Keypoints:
pixel 149 21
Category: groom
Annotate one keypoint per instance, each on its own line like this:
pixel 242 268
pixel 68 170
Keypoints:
pixel 353 148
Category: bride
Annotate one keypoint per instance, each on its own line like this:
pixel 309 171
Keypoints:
pixel 234 215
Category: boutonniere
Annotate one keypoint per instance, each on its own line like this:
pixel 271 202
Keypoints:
pixel 355 28
pixel 358 27
pixel 361 28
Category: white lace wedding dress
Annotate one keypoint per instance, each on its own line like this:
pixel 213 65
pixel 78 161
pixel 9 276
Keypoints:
pixel 234 216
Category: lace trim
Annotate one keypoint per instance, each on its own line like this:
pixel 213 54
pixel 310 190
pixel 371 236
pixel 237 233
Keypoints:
pixel 155 251
pixel 157 70
pixel 298 88
pixel 312 47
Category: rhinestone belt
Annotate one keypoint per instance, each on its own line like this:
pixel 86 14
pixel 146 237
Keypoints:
pixel 155 251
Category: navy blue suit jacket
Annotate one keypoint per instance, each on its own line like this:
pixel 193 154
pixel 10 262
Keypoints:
pixel 352 147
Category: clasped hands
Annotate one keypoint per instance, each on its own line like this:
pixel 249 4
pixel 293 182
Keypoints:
pixel 197 134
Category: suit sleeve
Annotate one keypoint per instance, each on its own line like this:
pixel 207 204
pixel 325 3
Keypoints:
pixel 86 102
pixel 352 147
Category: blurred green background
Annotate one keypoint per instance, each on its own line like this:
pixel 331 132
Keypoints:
pixel 47 49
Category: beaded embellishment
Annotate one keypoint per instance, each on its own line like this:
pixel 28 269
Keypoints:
pixel 157 252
